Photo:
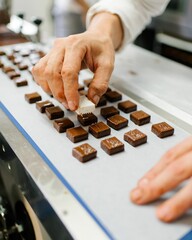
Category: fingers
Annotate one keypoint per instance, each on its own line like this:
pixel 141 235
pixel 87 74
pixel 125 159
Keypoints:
pixel 168 158
pixel 177 205
pixel 168 179
pixel 100 81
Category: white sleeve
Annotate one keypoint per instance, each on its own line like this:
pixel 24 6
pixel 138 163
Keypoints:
pixel 134 14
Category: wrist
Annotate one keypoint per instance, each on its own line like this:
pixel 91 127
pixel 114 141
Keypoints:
pixel 109 25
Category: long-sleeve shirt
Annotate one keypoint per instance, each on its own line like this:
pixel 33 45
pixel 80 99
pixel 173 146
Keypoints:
pixel 134 14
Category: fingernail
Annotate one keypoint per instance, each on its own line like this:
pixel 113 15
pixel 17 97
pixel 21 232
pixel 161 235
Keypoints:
pixel 96 99
pixel 65 105
pixel 136 194
pixel 164 213
pixel 71 105
pixel 143 182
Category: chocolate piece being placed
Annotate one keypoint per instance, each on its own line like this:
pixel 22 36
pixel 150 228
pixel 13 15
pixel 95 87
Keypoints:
pixel 113 96
pixel 32 97
pixel 13 74
pixel 21 82
pixel 117 122
pixel 41 106
pixel 62 124
pixel 140 117
pixel 99 130
pixel 7 69
pixel 76 134
pixel 107 112
pixel 162 129
pixel 84 152
pixel 127 106
pixel 87 82
pixel 87 119
pixel 112 145
pixel 102 101
pixel 54 112
pixel 135 137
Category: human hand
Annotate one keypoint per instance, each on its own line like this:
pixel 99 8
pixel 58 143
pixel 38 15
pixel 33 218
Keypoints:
pixel 57 72
pixel 172 169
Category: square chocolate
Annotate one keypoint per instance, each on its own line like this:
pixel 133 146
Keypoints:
pixel 32 97
pixel 17 60
pixel 107 112
pixel 127 106
pixel 54 112
pixel 135 137
pixel 76 134
pixel 117 122
pixel 87 119
pixel 41 106
pixel 99 130
pixel 84 152
pixel 140 117
pixel 2 53
pixel 113 96
pixel 21 82
pixel 7 69
pixel 102 101
pixel 112 145
pixel 162 129
pixel 22 66
pixel 62 124
pixel 13 75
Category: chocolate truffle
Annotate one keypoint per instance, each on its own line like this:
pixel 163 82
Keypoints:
pixel 62 124
pixel 113 96
pixel 112 145
pixel 127 106
pixel 84 152
pixel 99 130
pixel 41 106
pixel 21 82
pixel 162 129
pixel 102 101
pixel 135 137
pixel 54 112
pixel 117 122
pixel 107 112
pixel 32 97
pixel 87 119
pixel 140 117
pixel 76 134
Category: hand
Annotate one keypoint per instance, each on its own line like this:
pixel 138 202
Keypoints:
pixel 57 72
pixel 173 168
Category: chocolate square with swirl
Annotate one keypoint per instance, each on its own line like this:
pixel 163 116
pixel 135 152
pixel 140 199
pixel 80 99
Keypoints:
pixel 112 145
pixel 135 137
pixel 162 129
pixel 140 117
pixel 84 152
pixel 117 122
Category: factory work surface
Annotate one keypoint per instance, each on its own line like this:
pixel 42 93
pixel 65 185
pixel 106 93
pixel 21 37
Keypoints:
pixel 101 186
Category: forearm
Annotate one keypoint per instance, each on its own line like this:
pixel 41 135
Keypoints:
pixel 109 25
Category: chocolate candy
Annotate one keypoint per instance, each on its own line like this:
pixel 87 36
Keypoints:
pixel 107 112
pixel 7 69
pixel 41 106
pixel 62 124
pixel 22 66
pixel 1 64
pixel 17 60
pixel 80 87
pixel 162 129
pixel 113 96
pixel 117 122
pixel 2 53
pixel 112 145
pixel 76 134
pixel 127 106
pixel 87 119
pixel 140 117
pixel 21 82
pixel 135 137
pixel 32 97
pixel 13 74
pixel 99 130
pixel 54 112
pixel 84 152
pixel 102 101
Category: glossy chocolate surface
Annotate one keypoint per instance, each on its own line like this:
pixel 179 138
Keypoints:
pixel 112 145
pixel 84 152
pixel 54 112
pixel 99 130
pixel 62 124
pixel 87 119
pixel 127 106
pixel 140 117
pixel 135 137
pixel 113 96
pixel 107 112
pixel 21 82
pixel 41 106
pixel 162 129
pixel 117 122
pixel 32 97
pixel 76 134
